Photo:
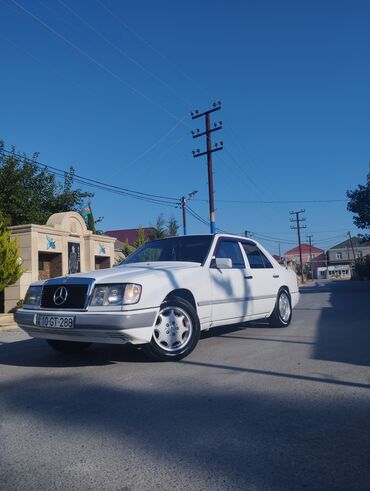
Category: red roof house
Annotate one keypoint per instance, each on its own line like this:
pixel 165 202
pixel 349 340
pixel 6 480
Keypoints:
pixel 293 254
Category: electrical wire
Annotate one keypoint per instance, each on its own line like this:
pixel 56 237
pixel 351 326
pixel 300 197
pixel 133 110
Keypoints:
pixel 150 46
pixel 151 147
pixel 124 54
pixel 152 198
pixel 273 202
pixel 194 214
pixel 96 62
pixel 243 172
pixel 246 155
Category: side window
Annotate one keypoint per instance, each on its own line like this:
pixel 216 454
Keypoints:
pixel 230 249
pixel 256 258
pixel 266 262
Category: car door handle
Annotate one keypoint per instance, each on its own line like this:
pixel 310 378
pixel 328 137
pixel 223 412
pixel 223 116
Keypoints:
pixel 248 277
pixel 275 276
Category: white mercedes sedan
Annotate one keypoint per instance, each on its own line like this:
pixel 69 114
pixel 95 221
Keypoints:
pixel 162 296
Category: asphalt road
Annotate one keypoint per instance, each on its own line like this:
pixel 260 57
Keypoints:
pixel 252 408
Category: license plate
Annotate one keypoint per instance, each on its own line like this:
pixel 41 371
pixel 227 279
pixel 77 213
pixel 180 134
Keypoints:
pixel 58 321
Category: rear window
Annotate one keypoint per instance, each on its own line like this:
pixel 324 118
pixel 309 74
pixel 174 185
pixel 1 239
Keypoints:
pixel 256 258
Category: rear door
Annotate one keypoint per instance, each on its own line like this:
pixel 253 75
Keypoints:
pixel 263 282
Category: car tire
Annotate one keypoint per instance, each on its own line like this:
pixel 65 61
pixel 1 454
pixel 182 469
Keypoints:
pixel 176 332
pixel 67 347
pixel 282 314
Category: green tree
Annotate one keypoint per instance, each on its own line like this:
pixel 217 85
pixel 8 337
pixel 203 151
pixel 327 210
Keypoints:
pixel 127 249
pixel 159 230
pixel 172 227
pixel 30 193
pixel 10 268
pixel 359 204
pixel 140 240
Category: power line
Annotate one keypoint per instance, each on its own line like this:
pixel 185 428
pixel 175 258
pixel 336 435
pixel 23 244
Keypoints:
pixel 243 171
pixel 58 73
pixel 273 202
pixel 150 46
pixel 58 16
pixel 123 53
pixel 153 198
pixel 250 161
pixel 195 215
pixel 151 147
pixel 259 236
pixel 96 62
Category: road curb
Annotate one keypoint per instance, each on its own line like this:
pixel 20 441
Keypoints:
pixel 9 328
pixel 7 323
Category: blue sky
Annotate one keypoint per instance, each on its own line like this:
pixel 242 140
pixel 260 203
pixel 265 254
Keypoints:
pixel 108 86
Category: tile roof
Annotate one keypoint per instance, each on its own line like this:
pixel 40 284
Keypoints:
pixel 356 241
pixel 305 250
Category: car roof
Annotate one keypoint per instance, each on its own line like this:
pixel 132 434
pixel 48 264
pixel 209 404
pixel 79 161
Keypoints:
pixel 218 234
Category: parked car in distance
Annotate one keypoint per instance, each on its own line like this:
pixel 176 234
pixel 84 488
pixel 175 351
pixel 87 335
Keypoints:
pixel 162 296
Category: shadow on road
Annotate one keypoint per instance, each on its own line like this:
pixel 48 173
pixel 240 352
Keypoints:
pixel 226 439
pixel 344 327
pixel 36 353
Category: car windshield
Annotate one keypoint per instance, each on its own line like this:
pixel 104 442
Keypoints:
pixel 192 248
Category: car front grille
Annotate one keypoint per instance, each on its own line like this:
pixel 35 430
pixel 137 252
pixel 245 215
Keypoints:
pixel 64 296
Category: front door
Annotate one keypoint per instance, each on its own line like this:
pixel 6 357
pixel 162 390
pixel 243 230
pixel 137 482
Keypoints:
pixel 230 290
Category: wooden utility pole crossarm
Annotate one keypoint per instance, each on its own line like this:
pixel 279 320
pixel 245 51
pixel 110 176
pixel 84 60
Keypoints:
pixel 197 153
pixel 298 227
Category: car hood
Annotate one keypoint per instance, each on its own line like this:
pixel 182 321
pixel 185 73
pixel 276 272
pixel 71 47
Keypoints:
pixel 130 272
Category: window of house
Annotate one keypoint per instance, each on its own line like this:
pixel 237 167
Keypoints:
pixel 256 258
pixel 359 254
pixel 339 255
pixel 230 249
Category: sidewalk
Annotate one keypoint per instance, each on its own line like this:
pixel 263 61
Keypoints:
pixel 7 323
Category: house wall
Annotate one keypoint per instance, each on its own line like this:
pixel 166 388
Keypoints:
pixel 347 254
pixel 48 241
pixel 334 272
pixel 306 258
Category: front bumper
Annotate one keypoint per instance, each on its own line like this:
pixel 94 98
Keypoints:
pixel 135 326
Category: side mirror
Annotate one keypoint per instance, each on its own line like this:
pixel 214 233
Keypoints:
pixel 221 263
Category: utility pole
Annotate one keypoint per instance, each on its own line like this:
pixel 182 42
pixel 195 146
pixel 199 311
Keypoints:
pixel 353 252
pixel 183 206
pixel 309 237
pixel 298 228
pixel 350 240
pixel 197 153
pixel 183 201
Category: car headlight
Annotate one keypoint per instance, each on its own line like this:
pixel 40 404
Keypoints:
pixel 123 294
pixel 33 296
